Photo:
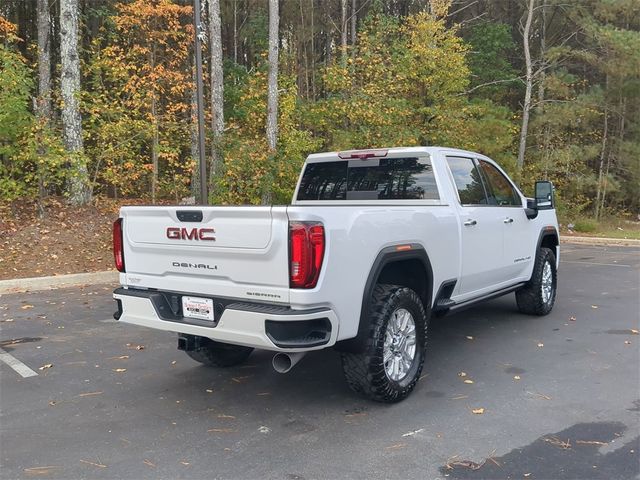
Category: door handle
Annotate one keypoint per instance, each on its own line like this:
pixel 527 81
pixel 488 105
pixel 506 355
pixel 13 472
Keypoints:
pixel 470 223
pixel 508 220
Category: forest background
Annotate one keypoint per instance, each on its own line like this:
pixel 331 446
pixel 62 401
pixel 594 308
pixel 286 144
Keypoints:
pixel 97 98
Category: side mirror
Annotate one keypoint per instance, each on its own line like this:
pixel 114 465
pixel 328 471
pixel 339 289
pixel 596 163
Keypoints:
pixel 544 199
pixel 544 196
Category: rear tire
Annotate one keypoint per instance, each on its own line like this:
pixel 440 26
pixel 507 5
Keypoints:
pixel 538 296
pixel 390 365
pixel 217 354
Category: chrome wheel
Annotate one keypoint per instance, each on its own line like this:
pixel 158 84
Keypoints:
pixel 546 286
pixel 399 345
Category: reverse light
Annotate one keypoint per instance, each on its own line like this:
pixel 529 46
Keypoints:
pixel 118 251
pixel 306 252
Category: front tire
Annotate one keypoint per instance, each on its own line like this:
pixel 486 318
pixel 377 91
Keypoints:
pixel 390 365
pixel 538 296
pixel 218 354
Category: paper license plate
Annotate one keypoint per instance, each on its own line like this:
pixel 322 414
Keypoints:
pixel 196 307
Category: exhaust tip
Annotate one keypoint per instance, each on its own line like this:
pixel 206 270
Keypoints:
pixel 284 362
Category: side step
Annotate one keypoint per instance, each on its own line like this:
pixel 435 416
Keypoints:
pixel 443 305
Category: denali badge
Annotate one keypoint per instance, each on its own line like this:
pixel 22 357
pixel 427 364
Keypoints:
pixel 194 265
pixel 181 233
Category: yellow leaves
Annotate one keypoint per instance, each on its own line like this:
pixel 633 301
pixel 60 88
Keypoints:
pixel 477 411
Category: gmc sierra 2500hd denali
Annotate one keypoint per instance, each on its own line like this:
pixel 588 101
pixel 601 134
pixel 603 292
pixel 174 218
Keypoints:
pixel 373 244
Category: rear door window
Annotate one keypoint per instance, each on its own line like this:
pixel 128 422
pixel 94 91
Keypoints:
pixel 468 181
pixel 408 178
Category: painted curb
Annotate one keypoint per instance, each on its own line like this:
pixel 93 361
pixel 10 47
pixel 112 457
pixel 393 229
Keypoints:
pixel 59 281
pixel 624 242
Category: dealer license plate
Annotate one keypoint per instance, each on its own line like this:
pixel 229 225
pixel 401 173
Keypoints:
pixel 196 307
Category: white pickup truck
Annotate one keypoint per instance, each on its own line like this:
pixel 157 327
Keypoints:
pixel 373 244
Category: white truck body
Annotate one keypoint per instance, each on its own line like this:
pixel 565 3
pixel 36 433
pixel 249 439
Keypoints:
pixel 477 250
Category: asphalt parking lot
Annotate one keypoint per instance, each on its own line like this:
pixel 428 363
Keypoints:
pixel 561 395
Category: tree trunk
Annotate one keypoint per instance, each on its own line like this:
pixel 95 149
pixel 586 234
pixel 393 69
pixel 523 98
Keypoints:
pixel 43 104
pixel 605 137
pixel 354 21
pixel 193 136
pixel 78 183
pixel 526 107
pixel 272 91
pixel 343 31
pixel 235 31
pixel 313 54
pixel 217 86
pixel 543 58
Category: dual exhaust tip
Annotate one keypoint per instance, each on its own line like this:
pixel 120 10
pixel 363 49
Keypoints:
pixel 284 362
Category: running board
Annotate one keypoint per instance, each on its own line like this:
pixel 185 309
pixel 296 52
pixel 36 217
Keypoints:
pixel 452 306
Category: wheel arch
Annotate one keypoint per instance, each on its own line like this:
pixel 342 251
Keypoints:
pixel 549 238
pixel 405 265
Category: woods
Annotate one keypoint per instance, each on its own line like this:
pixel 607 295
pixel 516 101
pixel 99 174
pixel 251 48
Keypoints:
pixel 97 97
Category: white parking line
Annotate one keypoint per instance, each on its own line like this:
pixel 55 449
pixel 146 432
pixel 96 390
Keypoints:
pixel 16 364
pixel 593 263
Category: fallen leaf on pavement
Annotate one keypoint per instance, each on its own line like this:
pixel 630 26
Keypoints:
pixel 209 390
pixel 46 366
pixel 40 470
pixel 396 446
pixel 149 463
pixel 573 319
pixel 26 307
pixel 546 397
pixel 540 345
pixel 264 429
pixel 462 374
pixel 478 411
pixel 100 465
pixel 516 377
pixel 627 342
pixel 89 394
pixel 633 330
pixel 594 306
pixel 119 370
pixel 469 337
pixel 464 463
pixel 556 442
pixel 174 362
pixel 185 463
pixel 222 415
pixel 590 442
pixel 468 381
pixel 52 403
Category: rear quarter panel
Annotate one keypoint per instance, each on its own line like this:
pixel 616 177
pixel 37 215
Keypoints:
pixel 354 237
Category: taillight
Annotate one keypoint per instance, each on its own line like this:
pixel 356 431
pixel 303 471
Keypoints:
pixel 306 251
pixel 118 252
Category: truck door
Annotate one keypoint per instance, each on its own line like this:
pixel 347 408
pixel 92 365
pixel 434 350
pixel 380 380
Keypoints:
pixel 517 255
pixel 481 230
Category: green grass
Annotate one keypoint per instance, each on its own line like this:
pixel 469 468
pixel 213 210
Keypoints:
pixel 607 228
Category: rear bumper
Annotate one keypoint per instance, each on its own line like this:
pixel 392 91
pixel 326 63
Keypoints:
pixel 255 325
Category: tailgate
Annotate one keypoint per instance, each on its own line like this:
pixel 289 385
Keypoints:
pixel 234 252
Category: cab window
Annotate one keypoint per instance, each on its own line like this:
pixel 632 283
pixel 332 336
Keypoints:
pixel 499 190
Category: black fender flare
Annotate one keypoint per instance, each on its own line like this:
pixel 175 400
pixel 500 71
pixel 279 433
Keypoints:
pixel 385 257
pixel 547 231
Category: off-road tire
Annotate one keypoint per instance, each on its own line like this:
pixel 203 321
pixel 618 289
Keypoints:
pixel 217 354
pixel 530 298
pixel 365 372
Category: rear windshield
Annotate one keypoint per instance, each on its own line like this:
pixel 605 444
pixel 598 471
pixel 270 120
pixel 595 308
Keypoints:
pixel 372 179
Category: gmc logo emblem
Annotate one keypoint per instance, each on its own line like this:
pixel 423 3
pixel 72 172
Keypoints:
pixel 181 233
